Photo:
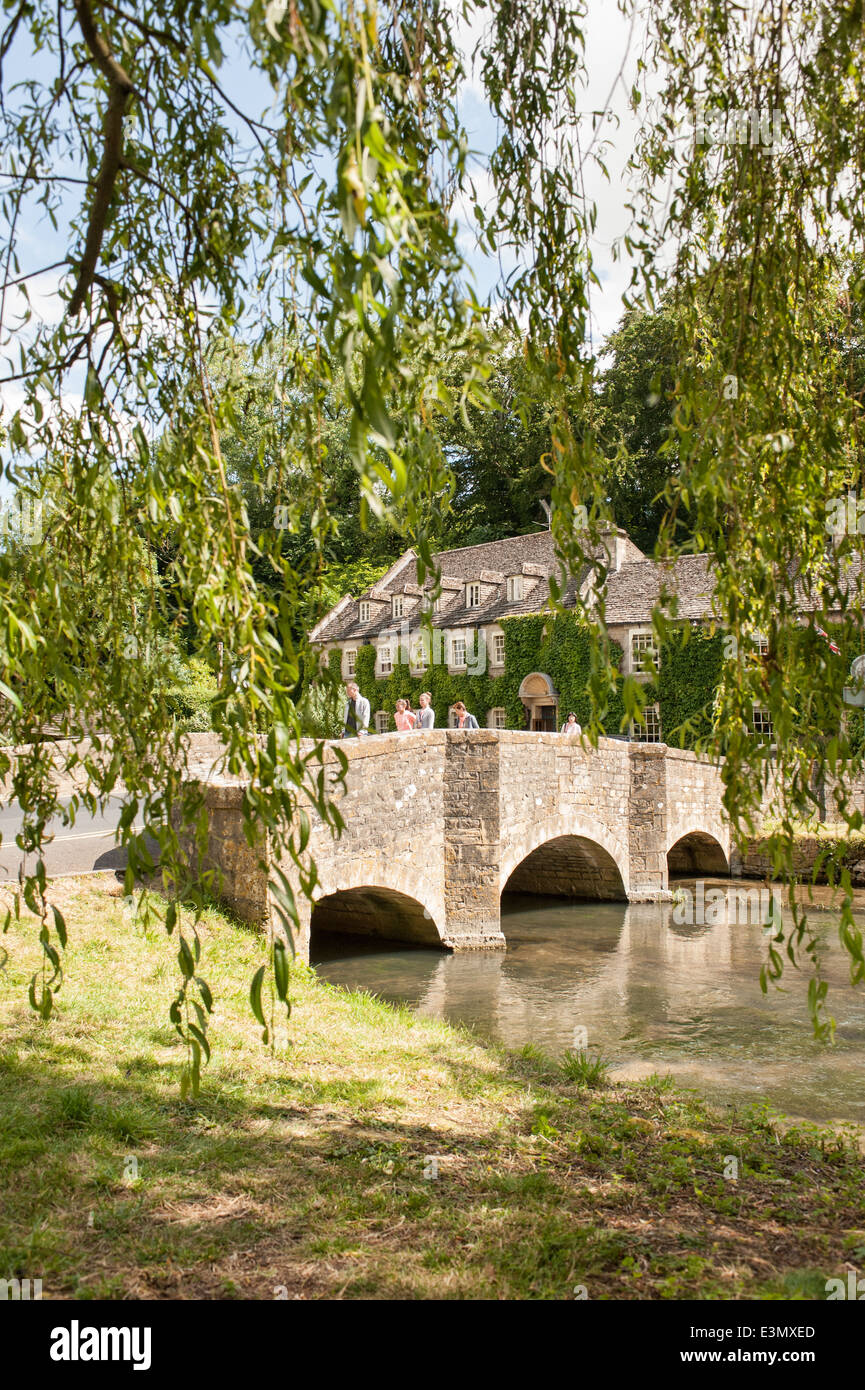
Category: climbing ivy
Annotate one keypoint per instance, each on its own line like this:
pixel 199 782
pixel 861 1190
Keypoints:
pixel 560 646
pixel 689 673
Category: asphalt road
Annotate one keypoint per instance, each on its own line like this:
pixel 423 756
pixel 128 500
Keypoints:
pixel 75 849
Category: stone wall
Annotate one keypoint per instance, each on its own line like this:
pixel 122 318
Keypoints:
pixel 231 869
pixel 756 862
pixel 205 756
pixel 647 821
pixel 694 792
pixel 552 786
pixel 472 838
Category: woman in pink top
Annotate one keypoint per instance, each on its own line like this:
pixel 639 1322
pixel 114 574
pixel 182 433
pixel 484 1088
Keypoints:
pixel 405 719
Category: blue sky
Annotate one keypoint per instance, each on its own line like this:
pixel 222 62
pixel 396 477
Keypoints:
pixel 607 43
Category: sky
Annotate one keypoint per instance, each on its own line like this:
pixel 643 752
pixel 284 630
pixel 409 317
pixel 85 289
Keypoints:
pixel 609 41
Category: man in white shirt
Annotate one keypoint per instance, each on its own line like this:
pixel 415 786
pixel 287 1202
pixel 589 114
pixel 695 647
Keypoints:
pixel 355 716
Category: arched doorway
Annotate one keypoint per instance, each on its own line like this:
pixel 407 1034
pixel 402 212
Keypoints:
pixel 375 912
pixel 569 866
pixel 541 702
pixel 697 853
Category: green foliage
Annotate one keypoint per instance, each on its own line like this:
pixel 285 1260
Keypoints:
pixel 584 1069
pixel 324 235
pixel 190 699
pixel 561 646
pixel 687 681
pixel 635 418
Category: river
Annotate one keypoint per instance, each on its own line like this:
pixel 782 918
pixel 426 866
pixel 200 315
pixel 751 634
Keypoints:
pixel 653 995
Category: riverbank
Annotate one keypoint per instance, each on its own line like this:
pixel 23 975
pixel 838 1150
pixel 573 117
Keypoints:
pixel 375 1154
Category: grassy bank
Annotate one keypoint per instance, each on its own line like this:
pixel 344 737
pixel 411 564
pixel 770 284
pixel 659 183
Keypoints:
pixel 308 1173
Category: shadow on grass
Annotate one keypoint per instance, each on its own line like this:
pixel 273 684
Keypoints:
pixel 114 1187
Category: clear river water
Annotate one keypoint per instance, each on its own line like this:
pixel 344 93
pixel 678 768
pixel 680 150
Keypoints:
pixel 650 994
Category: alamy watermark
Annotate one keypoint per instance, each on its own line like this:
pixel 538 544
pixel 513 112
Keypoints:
pixel 20 1290
pixel 853 1290
pixel 758 127
pixel 845 516
pixel 714 907
pixel 21 521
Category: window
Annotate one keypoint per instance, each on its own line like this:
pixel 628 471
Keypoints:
pixel 473 596
pixel 350 661
pixel 458 651
pixel 419 660
pixel 643 650
pixel 498 649
pixel 440 603
pixel 364 612
pixel 382 722
pixel 762 722
pixel 515 588
pixel 398 605
pixel 385 660
pixel 651 731
pixel 496 718
pixel 761 642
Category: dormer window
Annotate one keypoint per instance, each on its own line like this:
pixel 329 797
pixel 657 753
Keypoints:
pixel 364 610
pixel 398 605
pixel 515 588
pixel 473 596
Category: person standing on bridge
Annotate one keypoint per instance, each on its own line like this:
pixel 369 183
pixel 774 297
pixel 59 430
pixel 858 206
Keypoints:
pixel 571 726
pixel 426 717
pixel 355 717
pixel 404 717
pixel 464 720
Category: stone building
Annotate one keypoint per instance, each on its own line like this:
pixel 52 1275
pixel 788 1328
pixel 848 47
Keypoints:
pixel 484 585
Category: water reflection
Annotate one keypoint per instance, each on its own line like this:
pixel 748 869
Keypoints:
pixel 653 994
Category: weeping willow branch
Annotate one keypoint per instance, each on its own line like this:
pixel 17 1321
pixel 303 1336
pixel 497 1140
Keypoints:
pixel 120 89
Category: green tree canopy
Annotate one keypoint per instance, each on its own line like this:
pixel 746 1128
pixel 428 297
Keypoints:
pixel 323 234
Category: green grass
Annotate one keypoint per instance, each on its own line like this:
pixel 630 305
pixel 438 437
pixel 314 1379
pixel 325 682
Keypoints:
pixel 373 1153
pixel 585 1070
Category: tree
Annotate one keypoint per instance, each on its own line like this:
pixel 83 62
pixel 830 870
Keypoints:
pixel 324 235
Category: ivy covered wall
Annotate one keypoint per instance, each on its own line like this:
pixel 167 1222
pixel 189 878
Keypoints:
pixel 560 647
pixel 688 676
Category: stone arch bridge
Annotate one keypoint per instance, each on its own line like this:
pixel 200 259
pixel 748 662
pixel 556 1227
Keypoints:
pixel 439 824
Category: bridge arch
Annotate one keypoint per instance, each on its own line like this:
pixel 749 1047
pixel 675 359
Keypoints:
pixel 567 850
pixel 390 901
pixel 698 849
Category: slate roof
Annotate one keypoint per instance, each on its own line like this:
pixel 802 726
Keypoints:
pixel 631 591
pixel 497 558
pixel 850 583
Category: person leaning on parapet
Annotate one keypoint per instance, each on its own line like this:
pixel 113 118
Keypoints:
pixel 571 726
pixel 356 714
pixel 426 715
pixel 464 719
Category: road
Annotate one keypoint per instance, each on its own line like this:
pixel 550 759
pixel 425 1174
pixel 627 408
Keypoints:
pixel 75 849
